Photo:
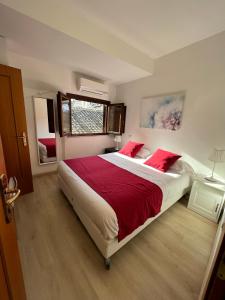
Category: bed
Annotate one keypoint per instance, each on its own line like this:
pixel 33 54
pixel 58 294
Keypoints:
pixel 47 149
pixel 99 218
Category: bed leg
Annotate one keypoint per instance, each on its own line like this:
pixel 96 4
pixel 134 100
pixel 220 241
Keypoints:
pixel 107 263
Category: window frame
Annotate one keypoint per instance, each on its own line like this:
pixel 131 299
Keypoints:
pixel 106 103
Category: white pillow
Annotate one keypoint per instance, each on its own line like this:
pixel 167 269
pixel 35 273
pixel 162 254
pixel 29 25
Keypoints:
pixel 181 166
pixel 143 153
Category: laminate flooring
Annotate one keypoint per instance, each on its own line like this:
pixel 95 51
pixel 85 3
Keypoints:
pixel 167 260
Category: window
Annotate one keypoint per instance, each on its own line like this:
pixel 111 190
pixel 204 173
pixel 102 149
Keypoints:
pixel 81 115
pixel 87 117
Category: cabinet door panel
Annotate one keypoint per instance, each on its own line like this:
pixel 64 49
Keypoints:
pixel 206 200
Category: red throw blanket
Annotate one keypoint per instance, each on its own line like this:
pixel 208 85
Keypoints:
pixel 50 145
pixel 133 198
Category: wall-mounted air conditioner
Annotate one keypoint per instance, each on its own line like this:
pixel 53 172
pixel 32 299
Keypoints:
pixel 93 87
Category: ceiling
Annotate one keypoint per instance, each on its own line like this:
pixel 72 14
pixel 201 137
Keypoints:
pixel 156 27
pixel 114 40
pixel 28 37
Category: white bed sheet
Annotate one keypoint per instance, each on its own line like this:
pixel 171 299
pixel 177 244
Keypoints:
pixel 98 210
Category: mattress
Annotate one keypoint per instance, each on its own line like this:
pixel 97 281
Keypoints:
pixel 98 210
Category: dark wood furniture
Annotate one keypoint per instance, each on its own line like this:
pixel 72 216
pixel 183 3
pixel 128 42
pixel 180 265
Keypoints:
pixel 110 150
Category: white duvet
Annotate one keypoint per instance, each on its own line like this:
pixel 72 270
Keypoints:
pixel 98 210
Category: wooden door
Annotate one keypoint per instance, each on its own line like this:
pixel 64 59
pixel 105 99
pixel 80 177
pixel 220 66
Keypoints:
pixel 4 293
pixel 116 118
pixel 11 279
pixel 13 127
pixel 64 114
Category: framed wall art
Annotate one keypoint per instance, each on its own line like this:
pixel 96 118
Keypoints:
pixel 162 111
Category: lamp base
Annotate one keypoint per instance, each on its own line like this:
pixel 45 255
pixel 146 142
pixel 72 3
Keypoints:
pixel 117 146
pixel 211 179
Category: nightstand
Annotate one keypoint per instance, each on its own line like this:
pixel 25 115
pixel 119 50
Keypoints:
pixel 207 198
pixel 110 150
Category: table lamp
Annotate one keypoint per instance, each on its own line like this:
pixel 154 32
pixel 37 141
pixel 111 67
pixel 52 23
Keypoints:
pixel 216 156
pixel 117 139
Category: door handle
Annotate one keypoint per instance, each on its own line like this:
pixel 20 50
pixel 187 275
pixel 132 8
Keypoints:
pixel 11 197
pixel 24 138
pixel 9 193
pixel 217 206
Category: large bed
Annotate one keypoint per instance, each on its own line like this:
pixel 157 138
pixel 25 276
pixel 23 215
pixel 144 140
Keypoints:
pixel 47 149
pixel 99 218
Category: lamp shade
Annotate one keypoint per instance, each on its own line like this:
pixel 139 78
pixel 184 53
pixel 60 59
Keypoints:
pixel 117 138
pixel 217 155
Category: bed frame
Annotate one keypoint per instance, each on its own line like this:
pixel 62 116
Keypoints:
pixel 109 247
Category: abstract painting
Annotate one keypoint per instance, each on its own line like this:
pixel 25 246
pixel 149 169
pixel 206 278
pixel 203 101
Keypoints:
pixel 163 111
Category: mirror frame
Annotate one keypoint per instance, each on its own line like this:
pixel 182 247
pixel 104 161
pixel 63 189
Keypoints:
pixel 36 131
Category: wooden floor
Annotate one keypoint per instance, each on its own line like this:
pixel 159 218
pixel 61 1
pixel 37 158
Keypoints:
pixel 60 262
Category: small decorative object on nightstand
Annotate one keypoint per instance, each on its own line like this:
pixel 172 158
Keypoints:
pixel 110 150
pixel 207 198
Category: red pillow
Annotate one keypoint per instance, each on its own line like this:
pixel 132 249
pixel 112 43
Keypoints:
pixel 131 148
pixel 162 160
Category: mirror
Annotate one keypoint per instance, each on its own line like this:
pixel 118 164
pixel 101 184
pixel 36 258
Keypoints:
pixel 45 129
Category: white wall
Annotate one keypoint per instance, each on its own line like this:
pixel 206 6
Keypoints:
pixel 40 76
pixel 3 51
pixel 199 70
